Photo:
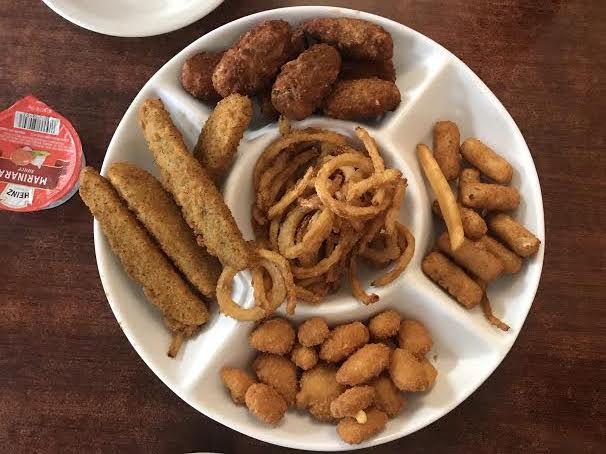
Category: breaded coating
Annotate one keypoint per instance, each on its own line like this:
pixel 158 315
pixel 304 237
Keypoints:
pixel 355 38
pixel 452 279
pixel 162 218
pixel 184 177
pixel 514 234
pixel 253 61
pixel 278 372
pixel 409 373
pixel 364 365
pixel 362 99
pixel 414 337
pixel 298 43
pixel 352 401
pixel 474 226
pixel 273 336
pixel 313 331
pixel 446 141
pixel 490 163
pixel 512 262
pixel 221 134
pixel 491 197
pixel 388 398
pixel 343 341
pixel 265 403
pixel 267 108
pixel 141 257
pixel 197 75
pixel 384 324
pixel 352 432
pixel 318 388
pixel 471 256
pixel 367 69
pixel 304 83
pixel 304 357
pixel 237 382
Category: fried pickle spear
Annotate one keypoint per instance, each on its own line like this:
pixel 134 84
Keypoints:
pixel 142 259
pixel 184 177
pixel 221 134
pixel 162 218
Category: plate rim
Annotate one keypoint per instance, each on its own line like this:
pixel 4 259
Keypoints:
pixel 265 435
pixel 196 14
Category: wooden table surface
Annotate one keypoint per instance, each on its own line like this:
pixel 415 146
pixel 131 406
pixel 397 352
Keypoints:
pixel 70 381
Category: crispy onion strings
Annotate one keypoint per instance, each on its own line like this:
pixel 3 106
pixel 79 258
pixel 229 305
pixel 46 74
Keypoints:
pixel 406 242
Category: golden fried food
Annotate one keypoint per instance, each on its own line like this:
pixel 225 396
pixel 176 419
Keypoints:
pixel 364 365
pixel 367 69
pixel 491 197
pixel 304 357
pixel 237 382
pixel 313 332
pixel 184 177
pixel 385 324
pixel 352 432
pixel 446 139
pixel 474 226
pixel 267 108
pixel 352 401
pixel 162 218
pixel 362 99
pixel 512 262
pixel 343 340
pixel 197 75
pixel 265 403
pixel 303 83
pixel 318 388
pixel 141 257
pixel 468 175
pixel 513 234
pixel 354 38
pixel 221 134
pixel 409 373
pixel 277 372
pixel 253 61
pixel 273 336
pixel 414 337
pixel 298 43
pixel 474 258
pixel 452 279
pixel 388 398
pixel 487 161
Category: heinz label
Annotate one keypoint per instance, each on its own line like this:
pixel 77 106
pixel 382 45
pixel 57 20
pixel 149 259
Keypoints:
pixel 40 157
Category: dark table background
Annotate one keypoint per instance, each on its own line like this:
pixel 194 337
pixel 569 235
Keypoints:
pixel 70 381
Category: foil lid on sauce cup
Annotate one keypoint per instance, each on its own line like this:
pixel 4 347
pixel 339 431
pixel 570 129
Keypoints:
pixel 40 157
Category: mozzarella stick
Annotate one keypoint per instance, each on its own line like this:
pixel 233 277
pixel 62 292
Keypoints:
pixel 514 234
pixel 452 279
pixel 446 140
pixel 492 197
pixel 184 177
pixel 142 259
pixel 512 262
pixel 472 257
pixel 474 226
pixel 162 218
pixel 484 158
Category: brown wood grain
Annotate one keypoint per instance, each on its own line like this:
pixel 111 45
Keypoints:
pixel 70 381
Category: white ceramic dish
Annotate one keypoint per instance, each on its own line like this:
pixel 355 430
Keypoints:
pixel 435 85
pixel 132 18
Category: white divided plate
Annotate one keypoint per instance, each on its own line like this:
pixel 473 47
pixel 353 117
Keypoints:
pixel 131 18
pixel 434 85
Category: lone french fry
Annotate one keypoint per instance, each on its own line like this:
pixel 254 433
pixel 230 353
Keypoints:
pixel 473 258
pixel 492 197
pixel 484 158
pixel 444 195
pixel 514 234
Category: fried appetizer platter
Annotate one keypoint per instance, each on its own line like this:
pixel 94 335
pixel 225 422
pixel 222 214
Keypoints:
pixel 360 380
pixel 482 241
pixel 338 66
